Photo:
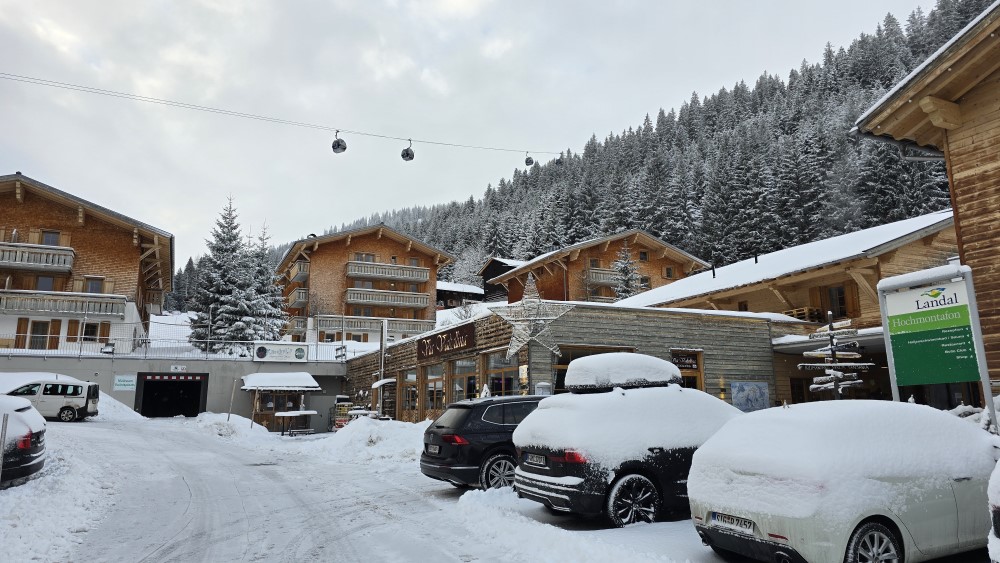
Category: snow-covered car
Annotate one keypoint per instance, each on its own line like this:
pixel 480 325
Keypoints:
pixel 620 443
pixel 54 395
pixel 845 481
pixel 993 493
pixel 23 453
pixel 470 443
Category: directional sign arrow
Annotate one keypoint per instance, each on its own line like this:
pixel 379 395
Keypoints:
pixel 827 353
pixel 836 325
pixel 834 333
pixel 855 365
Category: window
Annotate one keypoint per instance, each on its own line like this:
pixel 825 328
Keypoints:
pixel 464 379
pixel 501 374
pixel 90 331
pixel 363 337
pixel 644 282
pixel 362 311
pixel 62 389
pixel 94 285
pixel 50 238
pixel 413 261
pixel 364 284
pixel 364 257
pixel 595 262
pixel 841 300
pixel 413 288
pixel 45 283
pixel 689 362
pixel 668 272
pixel 392 259
pixel 837 299
pixel 26 390
pixel 643 256
pixel 515 412
pixel 434 398
pixel 409 391
pixel 742 306
pixel 39 338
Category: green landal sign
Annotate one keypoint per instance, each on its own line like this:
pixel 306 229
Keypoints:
pixel 930 332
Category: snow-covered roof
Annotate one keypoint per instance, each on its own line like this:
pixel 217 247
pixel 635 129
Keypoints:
pixel 506 261
pixel 382 382
pixel 290 381
pixel 459 287
pixel 859 244
pixel 560 252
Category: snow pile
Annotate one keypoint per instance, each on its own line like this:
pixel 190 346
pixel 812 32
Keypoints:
pixel 620 425
pixel 993 492
pixel 237 428
pixel 835 459
pixel 367 440
pixel 620 369
pixel 110 409
pixel 44 518
pixel 496 515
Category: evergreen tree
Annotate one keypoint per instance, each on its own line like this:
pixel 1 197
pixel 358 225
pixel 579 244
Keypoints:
pixel 267 301
pixel 627 281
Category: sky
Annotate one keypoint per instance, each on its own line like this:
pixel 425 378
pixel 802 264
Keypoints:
pixel 528 76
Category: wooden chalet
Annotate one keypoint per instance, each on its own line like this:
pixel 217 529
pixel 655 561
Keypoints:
pixel 950 105
pixel 583 272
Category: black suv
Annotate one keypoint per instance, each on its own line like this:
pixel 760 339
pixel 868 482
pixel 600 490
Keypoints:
pixel 470 443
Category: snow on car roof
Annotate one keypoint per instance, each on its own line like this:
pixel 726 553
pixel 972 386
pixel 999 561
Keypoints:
pixel 620 369
pixel 291 381
pixel 13 380
pixel 621 425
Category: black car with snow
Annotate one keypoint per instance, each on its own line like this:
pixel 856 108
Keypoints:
pixel 620 443
pixel 470 443
pixel 23 453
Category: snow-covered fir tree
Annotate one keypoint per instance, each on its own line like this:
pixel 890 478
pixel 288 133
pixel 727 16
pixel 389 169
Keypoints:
pixel 268 317
pixel 627 280
pixel 223 278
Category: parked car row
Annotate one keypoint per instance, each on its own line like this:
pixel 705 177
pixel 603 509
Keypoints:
pixel 833 481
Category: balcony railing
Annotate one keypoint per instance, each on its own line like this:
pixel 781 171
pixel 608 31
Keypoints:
pixel 64 303
pixel 387 298
pixel 333 323
pixel 811 314
pixel 297 325
pixel 299 272
pixel 298 298
pixel 602 299
pixel 602 276
pixel 36 257
pixel 387 272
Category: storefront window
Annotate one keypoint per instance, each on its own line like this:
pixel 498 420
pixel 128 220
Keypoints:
pixel 501 374
pixel 435 387
pixel 409 391
pixel 464 379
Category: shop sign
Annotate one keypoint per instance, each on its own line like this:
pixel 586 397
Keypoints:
pixel 684 360
pixel 458 338
pixel 124 383
pixel 930 333
pixel 279 352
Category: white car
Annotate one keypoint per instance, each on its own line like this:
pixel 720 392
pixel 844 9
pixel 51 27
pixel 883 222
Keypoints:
pixel 54 395
pixel 848 480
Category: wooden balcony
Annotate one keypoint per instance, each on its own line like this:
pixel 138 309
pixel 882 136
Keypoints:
pixel 297 325
pixel 602 299
pixel 602 276
pixel 36 257
pixel 299 272
pixel 357 296
pixel 372 270
pixel 333 323
pixel 811 314
pixel 92 305
pixel 298 298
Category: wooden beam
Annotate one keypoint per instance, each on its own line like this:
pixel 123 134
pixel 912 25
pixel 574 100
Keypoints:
pixel 547 269
pixel 379 233
pixel 664 253
pixel 635 240
pixel 605 247
pixel 865 284
pixel 573 255
pixel 942 113
pixel 929 239
pixel 18 192
pixel 409 245
pixel 79 215
pixel 781 296
pixel 348 241
pixel 564 266
pixel 146 254
pixel 712 304
pixel 135 237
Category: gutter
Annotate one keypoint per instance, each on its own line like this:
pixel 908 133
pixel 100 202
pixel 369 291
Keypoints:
pixel 930 154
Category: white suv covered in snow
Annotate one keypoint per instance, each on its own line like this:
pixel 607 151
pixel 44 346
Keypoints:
pixel 843 481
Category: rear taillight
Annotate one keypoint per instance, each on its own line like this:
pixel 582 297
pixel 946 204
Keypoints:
pixel 24 443
pixel 570 456
pixel 454 439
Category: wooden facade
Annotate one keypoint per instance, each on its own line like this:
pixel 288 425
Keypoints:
pixel 715 351
pixel 951 104
pixel 583 271
pixel 341 286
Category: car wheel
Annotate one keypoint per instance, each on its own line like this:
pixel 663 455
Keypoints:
pixel 871 542
pixel 497 472
pixel 633 498
pixel 67 414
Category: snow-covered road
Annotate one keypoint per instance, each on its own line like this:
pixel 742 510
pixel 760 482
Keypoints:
pixel 186 490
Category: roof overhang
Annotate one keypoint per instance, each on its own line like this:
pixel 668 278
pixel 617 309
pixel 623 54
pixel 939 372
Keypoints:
pixel 927 103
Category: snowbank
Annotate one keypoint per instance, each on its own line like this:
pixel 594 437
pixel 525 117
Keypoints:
pixel 833 459
pixel 366 440
pixel 236 429
pixel 110 409
pixel 616 426
pixel 620 369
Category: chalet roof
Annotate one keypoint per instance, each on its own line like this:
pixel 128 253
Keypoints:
pixel 505 261
pixel 300 245
pixel 163 238
pixel 909 111
pixel 866 243
pixel 288 381
pixel 637 235
pixel 459 287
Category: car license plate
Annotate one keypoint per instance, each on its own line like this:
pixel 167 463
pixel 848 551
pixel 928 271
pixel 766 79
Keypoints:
pixel 732 522
pixel 433 449
pixel 534 459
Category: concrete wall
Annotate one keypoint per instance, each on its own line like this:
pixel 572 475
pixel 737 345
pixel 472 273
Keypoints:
pixel 221 375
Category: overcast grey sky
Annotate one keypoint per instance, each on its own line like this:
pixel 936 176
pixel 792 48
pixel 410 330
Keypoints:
pixel 527 75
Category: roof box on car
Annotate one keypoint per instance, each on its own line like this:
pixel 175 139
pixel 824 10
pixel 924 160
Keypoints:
pixel 603 372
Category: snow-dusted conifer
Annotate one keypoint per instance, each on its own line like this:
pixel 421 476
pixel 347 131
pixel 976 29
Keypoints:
pixel 626 273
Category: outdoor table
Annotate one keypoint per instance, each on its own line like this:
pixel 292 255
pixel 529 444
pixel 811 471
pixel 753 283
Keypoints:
pixel 290 414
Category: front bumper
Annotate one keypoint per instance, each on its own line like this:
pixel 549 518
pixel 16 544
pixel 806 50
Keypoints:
pixel 748 546
pixel 464 475
pixel 559 496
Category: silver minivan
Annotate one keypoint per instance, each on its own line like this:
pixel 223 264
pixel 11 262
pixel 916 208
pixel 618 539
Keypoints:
pixel 60 396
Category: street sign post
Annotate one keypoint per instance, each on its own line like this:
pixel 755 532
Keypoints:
pixel 931 328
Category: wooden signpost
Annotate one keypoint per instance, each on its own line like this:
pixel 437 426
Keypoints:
pixel 835 379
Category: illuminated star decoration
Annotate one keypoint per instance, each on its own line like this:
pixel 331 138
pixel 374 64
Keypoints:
pixel 530 318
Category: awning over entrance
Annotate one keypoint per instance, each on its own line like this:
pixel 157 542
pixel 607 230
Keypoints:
pixel 291 381
pixel 382 382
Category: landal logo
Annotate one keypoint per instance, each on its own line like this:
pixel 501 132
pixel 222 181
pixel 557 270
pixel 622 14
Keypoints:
pixel 937 298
